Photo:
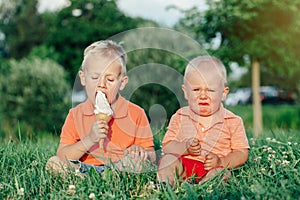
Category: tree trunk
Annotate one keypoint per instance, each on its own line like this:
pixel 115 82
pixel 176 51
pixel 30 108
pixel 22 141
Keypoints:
pixel 257 110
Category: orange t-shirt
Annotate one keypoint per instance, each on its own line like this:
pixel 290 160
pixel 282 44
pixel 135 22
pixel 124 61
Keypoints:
pixel 128 126
pixel 225 133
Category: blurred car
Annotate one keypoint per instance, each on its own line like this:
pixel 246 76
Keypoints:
pixel 239 96
pixel 268 95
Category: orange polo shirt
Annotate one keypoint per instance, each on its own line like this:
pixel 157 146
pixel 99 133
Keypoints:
pixel 128 126
pixel 225 133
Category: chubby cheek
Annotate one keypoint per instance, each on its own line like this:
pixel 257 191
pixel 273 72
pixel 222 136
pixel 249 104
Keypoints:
pixel 91 95
pixel 193 104
pixel 189 96
pixel 91 91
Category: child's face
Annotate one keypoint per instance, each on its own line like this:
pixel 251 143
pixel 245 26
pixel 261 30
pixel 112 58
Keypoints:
pixel 205 92
pixel 103 74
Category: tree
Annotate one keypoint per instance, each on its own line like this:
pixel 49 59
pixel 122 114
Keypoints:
pixel 22 27
pixel 61 35
pixel 84 21
pixel 261 34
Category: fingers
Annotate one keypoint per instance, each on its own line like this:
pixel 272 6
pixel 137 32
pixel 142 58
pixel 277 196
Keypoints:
pixel 102 126
pixel 194 147
pixel 136 151
pixel 208 165
pixel 102 129
pixel 211 161
pixel 99 130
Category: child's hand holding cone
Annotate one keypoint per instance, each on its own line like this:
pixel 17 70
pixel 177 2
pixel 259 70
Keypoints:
pixel 104 117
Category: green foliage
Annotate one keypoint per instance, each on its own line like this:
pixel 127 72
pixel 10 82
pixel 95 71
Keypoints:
pixel 154 92
pixel 22 26
pixel 263 30
pixel 72 32
pixel 271 172
pixel 43 52
pixel 34 95
pixel 61 35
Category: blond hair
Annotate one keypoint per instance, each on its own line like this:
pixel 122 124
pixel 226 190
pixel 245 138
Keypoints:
pixel 109 49
pixel 211 61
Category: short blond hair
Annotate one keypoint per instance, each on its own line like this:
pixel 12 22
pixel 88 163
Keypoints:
pixel 109 49
pixel 196 63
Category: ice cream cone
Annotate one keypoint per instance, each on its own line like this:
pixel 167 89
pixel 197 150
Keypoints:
pixel 105 117
pixel 103 111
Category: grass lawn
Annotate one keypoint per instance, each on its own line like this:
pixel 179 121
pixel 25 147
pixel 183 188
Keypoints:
pixel 272 172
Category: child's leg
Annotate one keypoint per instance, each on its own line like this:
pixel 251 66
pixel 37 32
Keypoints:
pixel 212 173
pixel 169 166
pixel 56 164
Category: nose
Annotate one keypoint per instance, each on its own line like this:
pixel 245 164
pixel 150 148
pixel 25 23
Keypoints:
pixel 101 82
pixel 203 94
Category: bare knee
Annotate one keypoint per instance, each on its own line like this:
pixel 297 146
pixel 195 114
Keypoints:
pixel 168 161
pixel 169 166
pixel 55 163
pixel 217 171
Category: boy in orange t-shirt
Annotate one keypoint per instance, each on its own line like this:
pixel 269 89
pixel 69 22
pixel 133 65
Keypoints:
pixel 203 136
pixel 128 139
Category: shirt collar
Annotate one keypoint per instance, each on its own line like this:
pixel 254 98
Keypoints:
pixel 121 109
pixel 87 108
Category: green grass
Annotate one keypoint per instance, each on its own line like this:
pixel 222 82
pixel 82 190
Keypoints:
pixel 271 172
pixel 286 117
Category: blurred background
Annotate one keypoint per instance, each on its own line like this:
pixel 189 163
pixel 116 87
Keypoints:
pixel 42 42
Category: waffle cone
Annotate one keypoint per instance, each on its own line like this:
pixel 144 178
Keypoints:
pixel 103 116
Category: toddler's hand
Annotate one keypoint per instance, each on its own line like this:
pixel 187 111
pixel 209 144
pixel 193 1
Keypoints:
pixel 98 131
pixel 211 161
pixel 136 152
pixel 193 147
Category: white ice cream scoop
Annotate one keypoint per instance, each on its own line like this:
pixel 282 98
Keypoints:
pixel 102 105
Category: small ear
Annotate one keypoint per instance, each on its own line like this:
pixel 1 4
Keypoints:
pixel 82 77
pixel 184 91
pixel 225 92
pixel 124 81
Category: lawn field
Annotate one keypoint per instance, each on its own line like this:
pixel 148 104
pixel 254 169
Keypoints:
pixel 271 172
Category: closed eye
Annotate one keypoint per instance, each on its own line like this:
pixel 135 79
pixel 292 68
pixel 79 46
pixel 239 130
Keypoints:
pixel 111 78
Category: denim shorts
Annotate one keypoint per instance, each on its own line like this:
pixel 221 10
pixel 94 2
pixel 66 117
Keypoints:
pixel 84 167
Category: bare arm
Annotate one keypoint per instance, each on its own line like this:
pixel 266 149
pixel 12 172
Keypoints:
pixel 234 159
pixel 143 153
pixel 187 147
pixel 75 151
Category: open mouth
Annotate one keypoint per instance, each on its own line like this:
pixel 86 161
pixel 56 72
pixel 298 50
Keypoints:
pixel 203 104
pixel 102 92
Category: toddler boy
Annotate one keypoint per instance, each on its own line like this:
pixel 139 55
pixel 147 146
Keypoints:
pixel 203 136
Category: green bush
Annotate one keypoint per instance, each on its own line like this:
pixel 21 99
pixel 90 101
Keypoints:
pixel 35 96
